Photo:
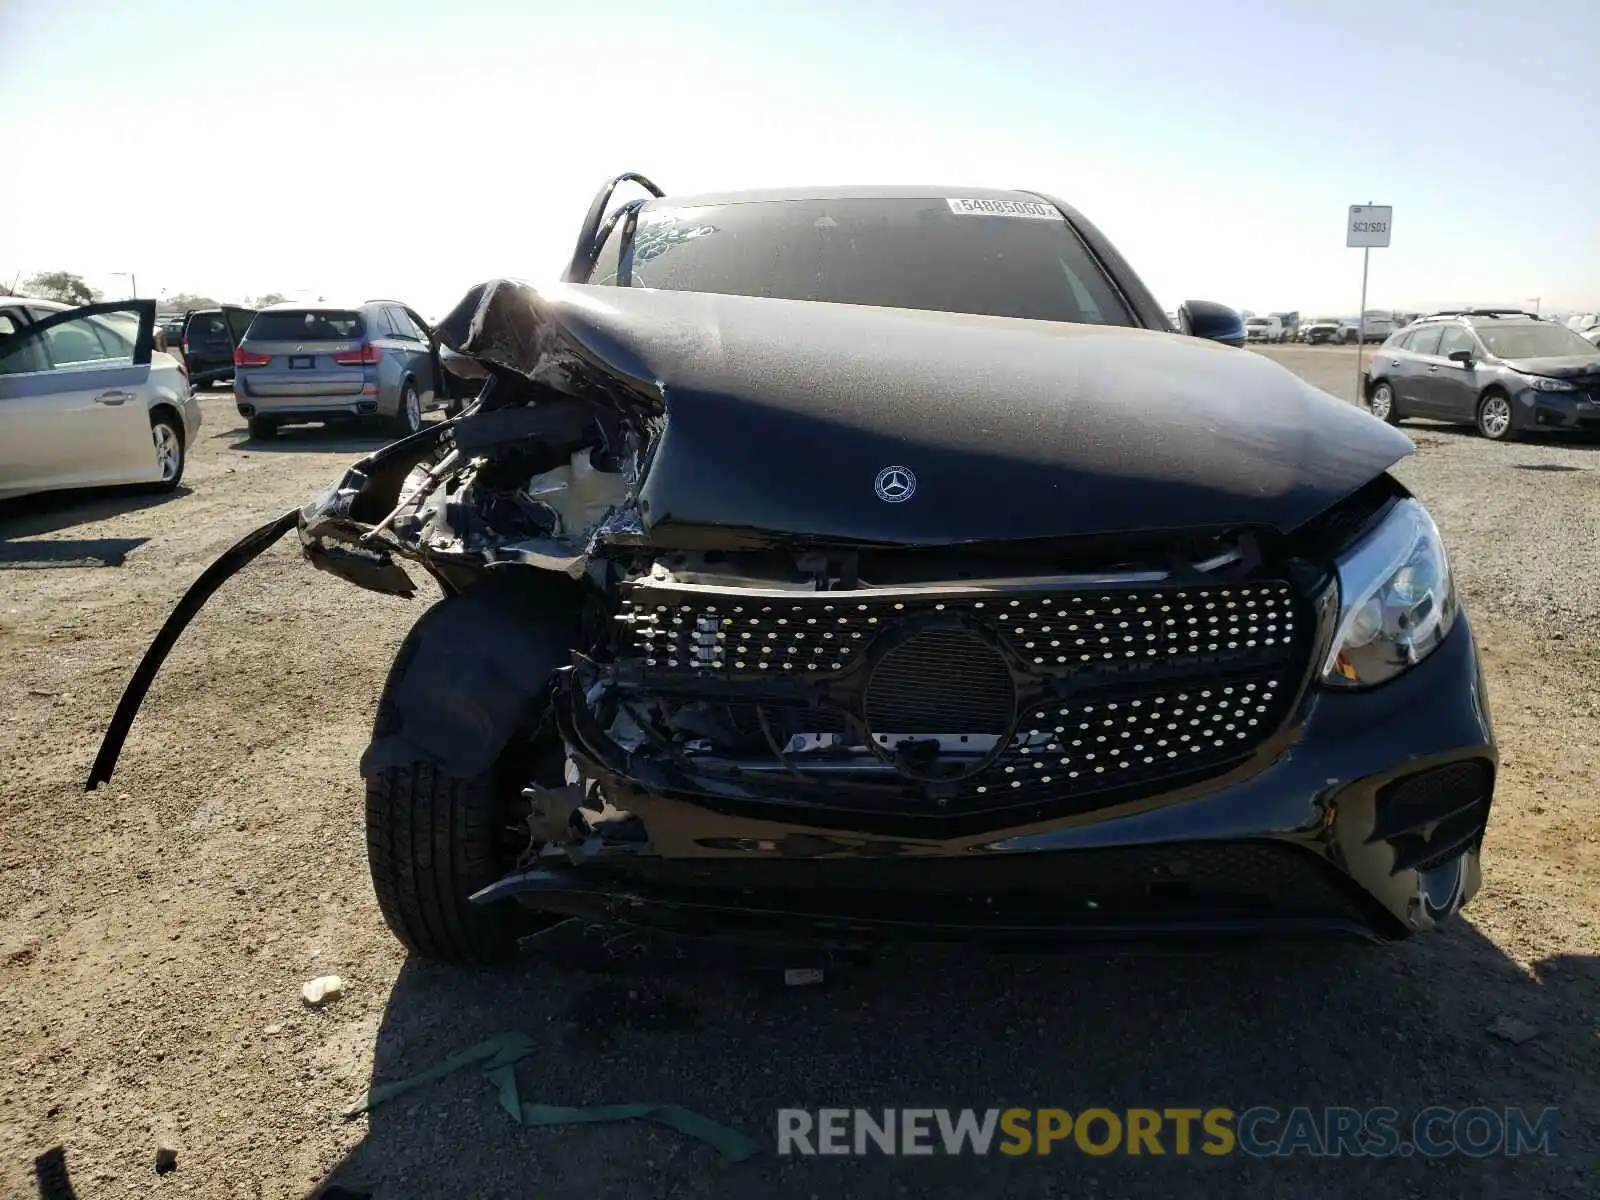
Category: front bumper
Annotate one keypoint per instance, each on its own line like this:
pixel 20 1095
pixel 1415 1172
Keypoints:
pixel 1364 816
pixel 1576 411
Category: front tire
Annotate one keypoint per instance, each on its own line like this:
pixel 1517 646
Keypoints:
pixel 436 836
pixel 1382 405
pixel 1494 417
pixel 432 841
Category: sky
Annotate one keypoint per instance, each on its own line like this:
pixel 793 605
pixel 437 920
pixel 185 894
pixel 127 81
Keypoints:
pixel 409 149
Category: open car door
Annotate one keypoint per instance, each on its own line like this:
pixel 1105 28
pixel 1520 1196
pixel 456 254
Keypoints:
pixel 72 411
pixel 237 320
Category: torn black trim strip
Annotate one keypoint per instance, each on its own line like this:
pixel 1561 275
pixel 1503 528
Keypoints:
pixel 232 561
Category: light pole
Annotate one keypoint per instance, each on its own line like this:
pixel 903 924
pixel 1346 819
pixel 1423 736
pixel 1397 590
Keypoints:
pixel 133 283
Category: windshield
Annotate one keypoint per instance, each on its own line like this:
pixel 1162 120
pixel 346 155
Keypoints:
pixel 1533 341
pixel 1012 259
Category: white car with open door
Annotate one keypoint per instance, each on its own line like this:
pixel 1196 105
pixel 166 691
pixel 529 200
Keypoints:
pixel 87 401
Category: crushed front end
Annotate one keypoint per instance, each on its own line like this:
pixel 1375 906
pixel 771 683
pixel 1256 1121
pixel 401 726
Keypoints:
pixel 1136 637
pixel 797 747
pixel 827 734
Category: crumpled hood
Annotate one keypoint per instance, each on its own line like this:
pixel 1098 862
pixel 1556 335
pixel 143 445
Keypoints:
pixel 1568 366
pixel 781 416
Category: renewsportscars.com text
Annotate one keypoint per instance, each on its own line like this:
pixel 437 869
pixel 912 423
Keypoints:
pixel 1259 1132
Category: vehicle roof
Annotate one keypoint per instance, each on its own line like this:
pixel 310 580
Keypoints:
pixel 321 305
pixel 841 192
pixel 39 300
pixel 1481 319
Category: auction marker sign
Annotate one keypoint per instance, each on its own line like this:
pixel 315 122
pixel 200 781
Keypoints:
pixel 1258 1132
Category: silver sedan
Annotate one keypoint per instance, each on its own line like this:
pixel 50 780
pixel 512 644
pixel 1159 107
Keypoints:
pixel 86 400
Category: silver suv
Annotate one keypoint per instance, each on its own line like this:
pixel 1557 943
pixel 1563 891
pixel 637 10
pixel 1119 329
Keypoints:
pixel 327 362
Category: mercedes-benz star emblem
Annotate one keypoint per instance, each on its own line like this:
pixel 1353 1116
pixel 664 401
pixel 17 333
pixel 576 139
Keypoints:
pixel 896 485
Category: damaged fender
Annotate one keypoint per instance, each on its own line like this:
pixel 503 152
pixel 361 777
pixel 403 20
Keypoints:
pixel 471 674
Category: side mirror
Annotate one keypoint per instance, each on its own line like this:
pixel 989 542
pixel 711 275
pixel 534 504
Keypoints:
pixel 1464 357
pixel 1212 321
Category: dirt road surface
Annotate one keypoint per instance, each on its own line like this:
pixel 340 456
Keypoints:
pixel 154 935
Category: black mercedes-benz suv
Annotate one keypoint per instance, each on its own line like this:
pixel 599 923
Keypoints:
pixel 856 563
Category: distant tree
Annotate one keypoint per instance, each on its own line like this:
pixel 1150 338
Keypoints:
pixel 184 301
pixel 269 298
pixel 60 285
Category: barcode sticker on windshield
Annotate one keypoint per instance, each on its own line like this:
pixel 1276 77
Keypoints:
pixel 1003 208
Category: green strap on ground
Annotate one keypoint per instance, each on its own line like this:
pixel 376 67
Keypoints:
pixel 499 1056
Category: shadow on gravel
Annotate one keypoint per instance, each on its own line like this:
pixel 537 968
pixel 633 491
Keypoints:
pixel 70 552
pixel 51 1176
pixel 308 439
pixel 1343 1024
pixel 34 516
pixel 340 437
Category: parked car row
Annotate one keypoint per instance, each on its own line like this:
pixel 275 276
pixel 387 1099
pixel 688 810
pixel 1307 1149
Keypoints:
pixel 1288 327
pixel 103 394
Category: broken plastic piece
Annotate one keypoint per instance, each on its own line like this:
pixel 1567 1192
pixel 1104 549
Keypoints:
pixel 730 1143
pixel 500 1053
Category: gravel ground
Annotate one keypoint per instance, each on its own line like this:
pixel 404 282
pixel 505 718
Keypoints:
pixel 154 935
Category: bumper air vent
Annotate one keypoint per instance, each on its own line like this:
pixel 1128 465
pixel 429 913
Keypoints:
pixel 1432 817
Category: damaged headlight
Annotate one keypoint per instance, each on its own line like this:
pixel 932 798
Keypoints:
pixel 1397 600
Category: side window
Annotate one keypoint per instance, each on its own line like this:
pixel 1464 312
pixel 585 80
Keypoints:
pixel 1399 341
pixel 1456 338
pixel 403 328
pixel 209 327
pixel 1426 340
pixel 22 354
pixel 77 344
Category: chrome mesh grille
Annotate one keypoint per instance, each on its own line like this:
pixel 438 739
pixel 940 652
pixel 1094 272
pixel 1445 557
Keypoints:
pixel 1152 734
pixel 1067 630
pixel 827 632
pixel 1101 689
